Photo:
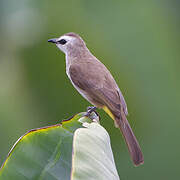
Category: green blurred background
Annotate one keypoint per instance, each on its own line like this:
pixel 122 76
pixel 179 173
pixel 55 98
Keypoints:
pixel 137 40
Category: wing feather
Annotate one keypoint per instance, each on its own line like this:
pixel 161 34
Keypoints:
pixel 98 84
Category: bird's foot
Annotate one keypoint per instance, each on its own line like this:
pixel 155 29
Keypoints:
pixel 90 109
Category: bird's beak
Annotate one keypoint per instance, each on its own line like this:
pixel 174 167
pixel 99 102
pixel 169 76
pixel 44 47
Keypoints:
pixel 52 40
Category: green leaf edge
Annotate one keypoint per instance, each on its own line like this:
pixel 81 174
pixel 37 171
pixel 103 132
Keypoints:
pixel 63 123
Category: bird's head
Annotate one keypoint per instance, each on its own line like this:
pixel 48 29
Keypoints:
pixel 69 42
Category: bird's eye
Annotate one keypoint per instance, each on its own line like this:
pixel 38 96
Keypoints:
pixel 62 41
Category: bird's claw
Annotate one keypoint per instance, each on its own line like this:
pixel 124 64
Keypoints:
pixel 90 109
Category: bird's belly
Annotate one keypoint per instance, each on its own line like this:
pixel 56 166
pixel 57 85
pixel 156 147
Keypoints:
pixel 86 95
pixel 83 93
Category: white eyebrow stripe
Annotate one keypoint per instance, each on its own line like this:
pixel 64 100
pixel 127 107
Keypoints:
pixel 65 37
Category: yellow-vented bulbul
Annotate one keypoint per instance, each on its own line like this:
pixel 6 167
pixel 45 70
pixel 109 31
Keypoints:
pixel 95 83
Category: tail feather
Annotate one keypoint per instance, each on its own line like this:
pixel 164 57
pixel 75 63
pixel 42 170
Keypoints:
pixel 131 141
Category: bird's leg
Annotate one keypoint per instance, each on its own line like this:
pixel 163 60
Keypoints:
pixel 90 109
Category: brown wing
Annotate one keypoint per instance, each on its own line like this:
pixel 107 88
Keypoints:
pixel 97 81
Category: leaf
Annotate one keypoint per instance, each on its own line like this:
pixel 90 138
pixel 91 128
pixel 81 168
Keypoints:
pixel 43 153
pixel 46 153
pixel 92 154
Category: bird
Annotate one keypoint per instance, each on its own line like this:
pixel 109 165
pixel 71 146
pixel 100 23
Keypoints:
pixel 94 82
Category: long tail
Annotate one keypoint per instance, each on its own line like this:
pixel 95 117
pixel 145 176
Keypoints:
pixel 131 141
